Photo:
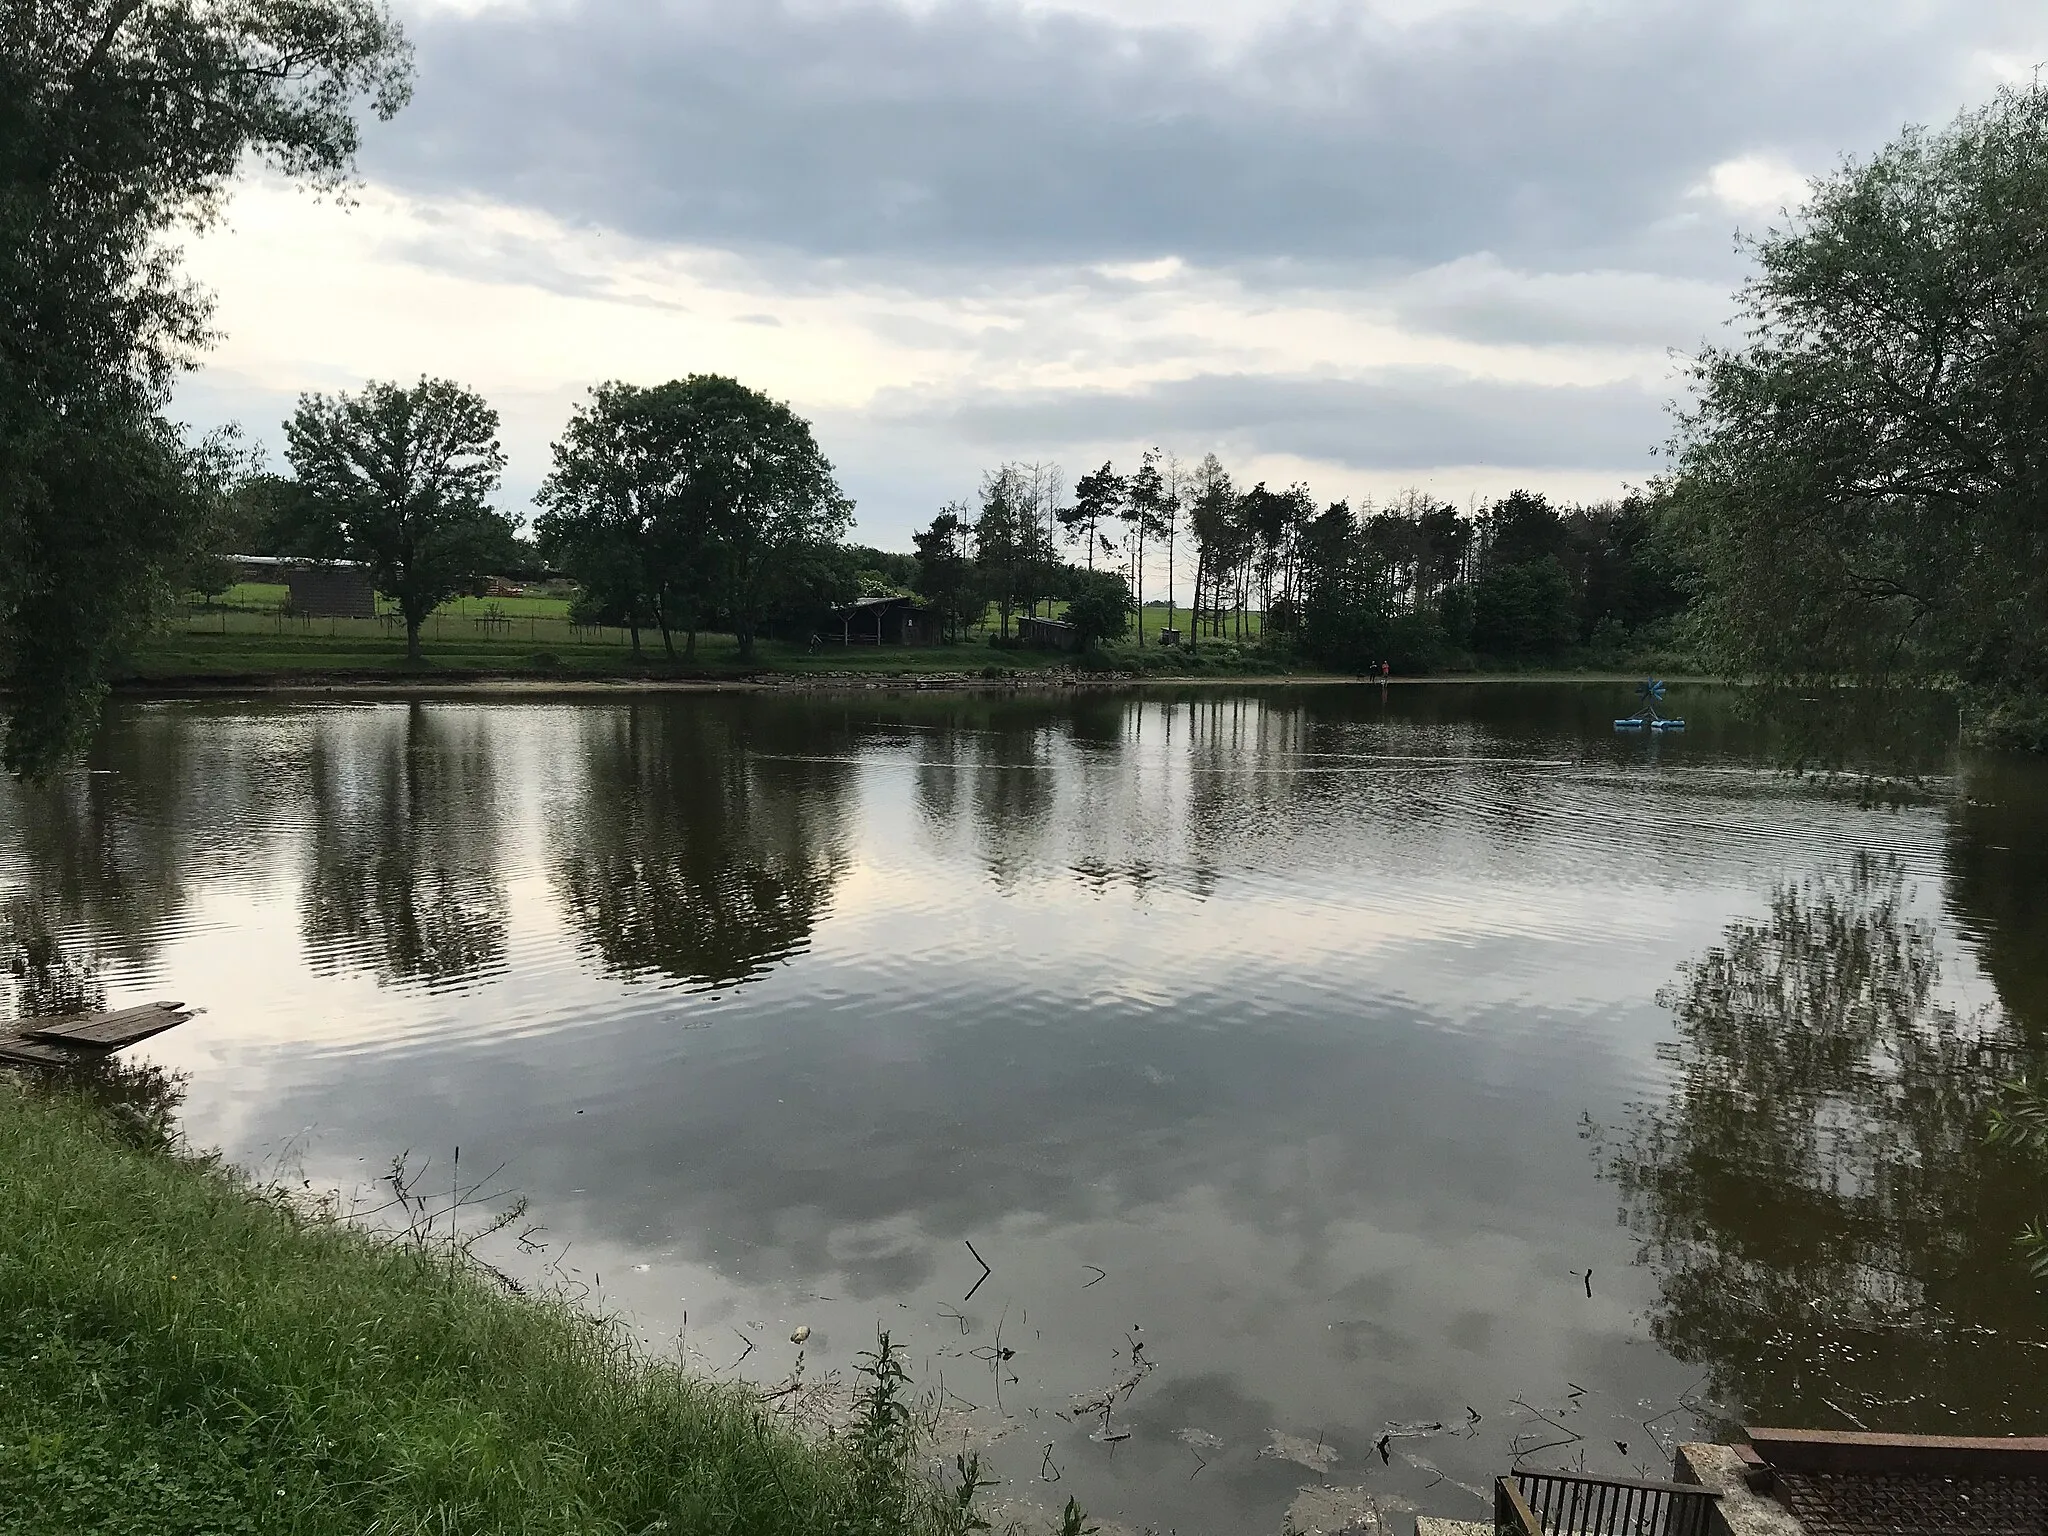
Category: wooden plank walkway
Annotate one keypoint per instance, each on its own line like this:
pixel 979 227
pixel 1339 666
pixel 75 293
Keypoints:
pixel 67 1039
pixel 17 1050
pixel 106 1031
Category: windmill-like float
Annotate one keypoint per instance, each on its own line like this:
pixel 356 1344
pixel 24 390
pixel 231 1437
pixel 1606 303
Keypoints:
pixel 1650 693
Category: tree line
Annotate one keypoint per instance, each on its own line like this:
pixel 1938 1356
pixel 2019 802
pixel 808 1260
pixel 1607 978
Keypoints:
pixel 1853 501
pixel 1417 584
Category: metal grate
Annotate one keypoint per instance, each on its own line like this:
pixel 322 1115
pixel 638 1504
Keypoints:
pixel 1861 1504
pixel 1562 1502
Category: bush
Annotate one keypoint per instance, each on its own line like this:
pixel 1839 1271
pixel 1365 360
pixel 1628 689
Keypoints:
pixel 1100 607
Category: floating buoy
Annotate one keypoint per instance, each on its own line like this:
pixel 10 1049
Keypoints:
pixel 1651 692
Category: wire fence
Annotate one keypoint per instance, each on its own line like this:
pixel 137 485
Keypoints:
pixel 540 631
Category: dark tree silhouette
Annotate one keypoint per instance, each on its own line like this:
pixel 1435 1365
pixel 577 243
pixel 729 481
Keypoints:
pixel 403 877
pixel 695 851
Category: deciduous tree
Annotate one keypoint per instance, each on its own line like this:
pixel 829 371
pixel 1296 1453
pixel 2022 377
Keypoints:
pixel 120 119
pixel 761 488
pixel 403 476
pixel 1865 475
pixel 620 514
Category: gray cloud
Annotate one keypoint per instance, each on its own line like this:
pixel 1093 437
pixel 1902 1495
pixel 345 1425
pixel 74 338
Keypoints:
pixel 1480 300
pixel 1398 421
pixel 973 133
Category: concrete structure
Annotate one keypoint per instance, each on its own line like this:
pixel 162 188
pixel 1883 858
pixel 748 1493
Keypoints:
pixel 1809 1482
pixel 1743 1510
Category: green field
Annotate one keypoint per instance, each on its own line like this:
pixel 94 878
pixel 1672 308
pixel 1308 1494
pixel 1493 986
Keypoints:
pixel 184 1355
pixel 247 633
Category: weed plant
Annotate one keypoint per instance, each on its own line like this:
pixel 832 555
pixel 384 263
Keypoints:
pixel 181 1352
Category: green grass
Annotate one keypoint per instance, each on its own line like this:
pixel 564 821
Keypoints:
pixel 180 1353
pixel 266 598
pixel 253 639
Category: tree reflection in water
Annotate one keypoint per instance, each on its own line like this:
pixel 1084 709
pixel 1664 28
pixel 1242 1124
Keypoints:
pixel 1833 1239
pixel 46 975
pixel 403 878
pixel 707 840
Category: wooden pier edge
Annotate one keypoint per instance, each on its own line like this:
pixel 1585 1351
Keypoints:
pixel 62 1040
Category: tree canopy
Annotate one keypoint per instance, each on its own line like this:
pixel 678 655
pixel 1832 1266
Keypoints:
pixel 120 119
pixel 403 476
pixel 693 497
pixel 620 516
pixel 1863 476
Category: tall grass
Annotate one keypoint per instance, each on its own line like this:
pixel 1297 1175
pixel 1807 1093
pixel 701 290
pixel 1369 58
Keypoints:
pixel 182 1353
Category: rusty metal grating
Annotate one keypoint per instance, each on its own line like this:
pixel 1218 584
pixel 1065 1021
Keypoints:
pixel 1869 1504
pixel 1557 1503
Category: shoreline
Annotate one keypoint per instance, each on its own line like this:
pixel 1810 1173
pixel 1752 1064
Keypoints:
pixel 518 685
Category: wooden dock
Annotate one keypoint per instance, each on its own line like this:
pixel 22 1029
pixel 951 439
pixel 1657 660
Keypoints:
pixel 64 1040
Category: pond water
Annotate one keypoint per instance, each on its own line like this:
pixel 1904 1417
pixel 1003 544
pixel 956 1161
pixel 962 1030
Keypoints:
pixel 1367 1058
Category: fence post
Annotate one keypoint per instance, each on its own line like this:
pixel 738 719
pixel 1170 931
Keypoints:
pixel 1511 1513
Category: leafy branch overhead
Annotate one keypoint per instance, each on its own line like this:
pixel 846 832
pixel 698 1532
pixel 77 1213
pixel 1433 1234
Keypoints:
pixel 1864 477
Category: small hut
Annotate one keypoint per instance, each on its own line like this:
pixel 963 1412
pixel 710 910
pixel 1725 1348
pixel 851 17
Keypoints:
pixel 885 620
pixel 1047 634
pixel 332 589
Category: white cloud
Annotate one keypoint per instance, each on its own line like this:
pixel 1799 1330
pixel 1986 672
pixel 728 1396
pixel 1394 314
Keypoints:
pixel 1754 184
pixel 532 311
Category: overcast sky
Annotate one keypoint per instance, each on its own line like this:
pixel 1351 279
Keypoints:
pixel 1461 245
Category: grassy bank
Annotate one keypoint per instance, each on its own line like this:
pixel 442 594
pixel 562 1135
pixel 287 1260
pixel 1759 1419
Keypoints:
pixel 179 1353
pixel 229 644
pixel 532 638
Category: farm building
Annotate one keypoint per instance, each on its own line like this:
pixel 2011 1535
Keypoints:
pixel 320 589
pixel 1047 634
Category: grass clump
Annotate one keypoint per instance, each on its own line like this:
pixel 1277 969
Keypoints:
pixel 180 1352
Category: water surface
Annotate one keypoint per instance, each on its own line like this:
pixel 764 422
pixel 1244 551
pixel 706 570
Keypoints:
pixel 1373 1058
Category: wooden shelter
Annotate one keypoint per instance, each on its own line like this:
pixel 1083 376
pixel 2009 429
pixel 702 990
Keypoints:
pixel 1047 634
pixel 886 620
pixel 320 589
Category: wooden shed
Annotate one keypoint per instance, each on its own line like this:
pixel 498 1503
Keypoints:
pixel 320 589
pixel 1047 634
pixel 885 620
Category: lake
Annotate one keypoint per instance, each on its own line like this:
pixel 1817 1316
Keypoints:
pixel 1347 1086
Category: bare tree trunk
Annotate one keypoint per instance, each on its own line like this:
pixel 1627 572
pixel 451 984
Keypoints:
pixel 1140 592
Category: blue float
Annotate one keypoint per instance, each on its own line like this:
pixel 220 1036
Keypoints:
pixel 1651 692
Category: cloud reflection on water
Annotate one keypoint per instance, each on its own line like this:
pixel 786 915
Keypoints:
pixel 784 999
